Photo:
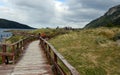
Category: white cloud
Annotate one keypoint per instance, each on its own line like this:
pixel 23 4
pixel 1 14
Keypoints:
pixel 53 13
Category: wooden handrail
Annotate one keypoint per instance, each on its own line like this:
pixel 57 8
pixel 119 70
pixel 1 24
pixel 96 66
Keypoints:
pixel 47 47
pixel 10 52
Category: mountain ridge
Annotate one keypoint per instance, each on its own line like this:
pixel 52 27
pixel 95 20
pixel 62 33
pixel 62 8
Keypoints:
pixel 8 24
pixel 110 19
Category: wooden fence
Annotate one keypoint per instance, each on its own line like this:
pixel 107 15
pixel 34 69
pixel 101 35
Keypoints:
pixel 59 64
pixel 9 53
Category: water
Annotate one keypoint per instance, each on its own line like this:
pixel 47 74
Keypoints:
pixel 14 29
pixel 4 35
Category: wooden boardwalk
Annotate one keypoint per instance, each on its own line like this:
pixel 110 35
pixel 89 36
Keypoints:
pixel 33 62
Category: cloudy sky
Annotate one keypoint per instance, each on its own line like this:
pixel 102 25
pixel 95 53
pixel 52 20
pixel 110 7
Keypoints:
pixel 53 13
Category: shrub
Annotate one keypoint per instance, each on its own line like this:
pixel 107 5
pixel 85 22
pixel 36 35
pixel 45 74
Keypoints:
pixel 107 33
pixel 101 40
pixel 116 37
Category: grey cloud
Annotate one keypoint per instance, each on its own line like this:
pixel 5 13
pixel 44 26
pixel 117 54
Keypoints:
pixel 96 4
pixel 99 4
pixel 43 13
pixel 38 11
pixel 87 10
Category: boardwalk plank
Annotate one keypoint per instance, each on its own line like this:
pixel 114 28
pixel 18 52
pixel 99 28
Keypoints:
pixel 33 62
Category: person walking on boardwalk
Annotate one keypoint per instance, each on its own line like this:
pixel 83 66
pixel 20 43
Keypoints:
pixel 39 35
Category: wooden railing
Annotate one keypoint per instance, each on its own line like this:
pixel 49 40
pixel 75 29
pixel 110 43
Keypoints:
pixel 59 64
pixel 10 53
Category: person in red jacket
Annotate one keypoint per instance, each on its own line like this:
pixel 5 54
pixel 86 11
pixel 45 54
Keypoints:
pixel 43 35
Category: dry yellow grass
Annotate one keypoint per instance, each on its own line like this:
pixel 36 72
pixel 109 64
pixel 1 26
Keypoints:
pixel 91 51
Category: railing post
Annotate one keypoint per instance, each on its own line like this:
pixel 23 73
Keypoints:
pixel 45 47
pixel 49 50
pixel 17 49
pixel 55 63
pixel 55 58
pixel 21 46
pixel 13 50
pixel 4 58
pixel 24 41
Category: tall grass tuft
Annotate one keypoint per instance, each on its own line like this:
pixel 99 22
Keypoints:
pixel 90 51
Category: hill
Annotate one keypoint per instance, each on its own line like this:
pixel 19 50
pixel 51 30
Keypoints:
pixel 110 19
pixel 91 51
pixel 7 24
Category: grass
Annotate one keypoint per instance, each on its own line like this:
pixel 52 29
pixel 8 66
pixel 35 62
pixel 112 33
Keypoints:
pixel 17 35
pixel 14 39
pixel 91 51
pixel 50 32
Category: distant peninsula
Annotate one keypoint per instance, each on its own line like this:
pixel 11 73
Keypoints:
pixel 7 24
